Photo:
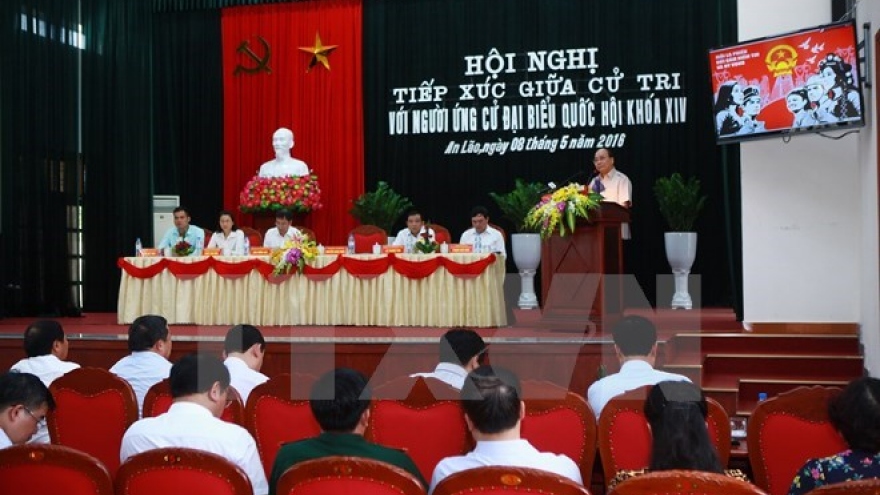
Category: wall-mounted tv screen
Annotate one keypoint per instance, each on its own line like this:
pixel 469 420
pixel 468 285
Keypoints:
pixel 805 81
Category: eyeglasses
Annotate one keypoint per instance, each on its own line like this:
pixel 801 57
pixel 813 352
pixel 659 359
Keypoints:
pixel 41 423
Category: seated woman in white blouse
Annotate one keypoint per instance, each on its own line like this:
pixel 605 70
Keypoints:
pixel 230 239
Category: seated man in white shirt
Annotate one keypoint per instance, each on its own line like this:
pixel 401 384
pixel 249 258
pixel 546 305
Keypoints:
pixel 149 341
pixel 635 343
pixel 24 403
pixel 461 351
pixel 183 232
pixel 482 236
pixel 199 388
pixel 282 231
pixel 244 349
pixel 415 228
pixel 493 412
pixel 46 349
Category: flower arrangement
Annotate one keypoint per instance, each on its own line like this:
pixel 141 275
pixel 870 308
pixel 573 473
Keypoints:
pixel 294 253
pixel 183 248
pixel 561 209
pixel 267 194
pixel 425 244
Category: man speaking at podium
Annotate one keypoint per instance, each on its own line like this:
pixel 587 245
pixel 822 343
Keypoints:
pixel 611 183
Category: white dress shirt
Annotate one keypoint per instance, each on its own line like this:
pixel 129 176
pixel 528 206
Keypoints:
pixel 229 246
pixel 516 453
pixel 47 368
pixel 491 240
pixel 244 379
pixel 190 425
pixel 632 375
pixel 273 239
pixel 448 373
pixel 142 370
pixel 4 440
pixel 406 238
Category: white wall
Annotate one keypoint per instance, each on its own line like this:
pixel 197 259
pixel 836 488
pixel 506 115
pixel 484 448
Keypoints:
pixel 810 244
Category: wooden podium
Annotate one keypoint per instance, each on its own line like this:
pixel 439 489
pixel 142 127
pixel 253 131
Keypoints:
pixel 576 294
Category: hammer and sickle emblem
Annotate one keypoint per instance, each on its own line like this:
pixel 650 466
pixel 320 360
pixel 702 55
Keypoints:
pixel 262 63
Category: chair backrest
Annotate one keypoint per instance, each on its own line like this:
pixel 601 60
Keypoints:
pixel 207 239
pixel 309 233
pixel 424 389
pixel 624 435
pixel 365 236
pixel 859 487
pixel 685 482
pixel 42 469
pixel 336 474
pixel 254 236
pixel 568 412
pixel 499 480
pixel 499 229
pixel 94 408
pixel 441 234
pixel 401 424
pixel 278 412
pixel 786 431
pixel 158 400
pixel 178 471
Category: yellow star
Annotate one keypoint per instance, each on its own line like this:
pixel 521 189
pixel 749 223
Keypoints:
pixel 319 53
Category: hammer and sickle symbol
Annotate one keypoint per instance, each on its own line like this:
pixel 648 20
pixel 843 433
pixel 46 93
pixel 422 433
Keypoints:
pixel 262 63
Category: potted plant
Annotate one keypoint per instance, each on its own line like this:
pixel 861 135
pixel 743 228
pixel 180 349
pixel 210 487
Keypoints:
pixel 680 203
pixel 381 207
pixel 526 242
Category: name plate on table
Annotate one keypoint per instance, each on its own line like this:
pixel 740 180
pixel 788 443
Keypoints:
pixel 211 251
pixel 149 253
pixel 392 249
pixel 261 251
pixel 335 249
pixel 461 248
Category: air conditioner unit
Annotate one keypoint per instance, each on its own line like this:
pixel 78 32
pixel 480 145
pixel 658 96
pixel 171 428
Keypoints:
pixel 163 215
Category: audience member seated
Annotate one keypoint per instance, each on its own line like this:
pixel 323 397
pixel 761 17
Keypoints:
pixel 244 349
pixel 677 413
pixel 149 341
pixel 635 343
pixel 340 401
pixel 183 232
pixel 461 351
pixel 493 412
pixel 199 388
pixel 24 403
pixel 415 228
pixel 46 348
pixel 855 413
pixel 276 236
pixel 482 236
pixel 229 239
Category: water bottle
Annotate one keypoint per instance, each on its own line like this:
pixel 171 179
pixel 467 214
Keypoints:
pixel 350 243
pixel 138 247
pixel 247 246
pixel 478 244
pixel 762 396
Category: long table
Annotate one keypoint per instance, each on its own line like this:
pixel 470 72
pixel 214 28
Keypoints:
pixel 461 289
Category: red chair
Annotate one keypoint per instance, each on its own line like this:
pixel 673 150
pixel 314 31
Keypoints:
pixel 685 483
pixel 401 387
pixel 441 234
pixel 94 408
pixel 307 232
pixel 339 475
pixel 624 435
pixel 207 239
pixel 178 471
pixel 860 487
pixel 365 236
pixel 428 429
pixel 255 238
pixel 51 469
pixel 158 400
pixel 546 417
pixel 278 412
pixel 788 430
pixel 499 480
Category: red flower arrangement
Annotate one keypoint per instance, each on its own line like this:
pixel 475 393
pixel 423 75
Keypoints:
pixel 266 194
pixel 183 248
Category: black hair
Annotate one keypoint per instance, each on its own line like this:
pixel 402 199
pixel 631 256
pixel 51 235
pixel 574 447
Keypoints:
pixel 196 373
pixel 229 214
pixel 183 209
pixel 459 345
pixel 634 336
pixel 610 152
pixel 25 389
pixel 40 336
pixel 339 398
pixel 286 214
pixel 145 331
pixel 677 414
pixel 480 210
pixel 856 414
pixel 412 212
pixel 242 337
pixel 490 397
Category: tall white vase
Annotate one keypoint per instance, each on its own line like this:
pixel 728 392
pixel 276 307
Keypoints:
pixel 527 256
pixel 681 249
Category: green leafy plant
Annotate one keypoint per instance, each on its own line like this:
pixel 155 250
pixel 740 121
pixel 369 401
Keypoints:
pixel 517 204
pixel 381 207
pixel 680 201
